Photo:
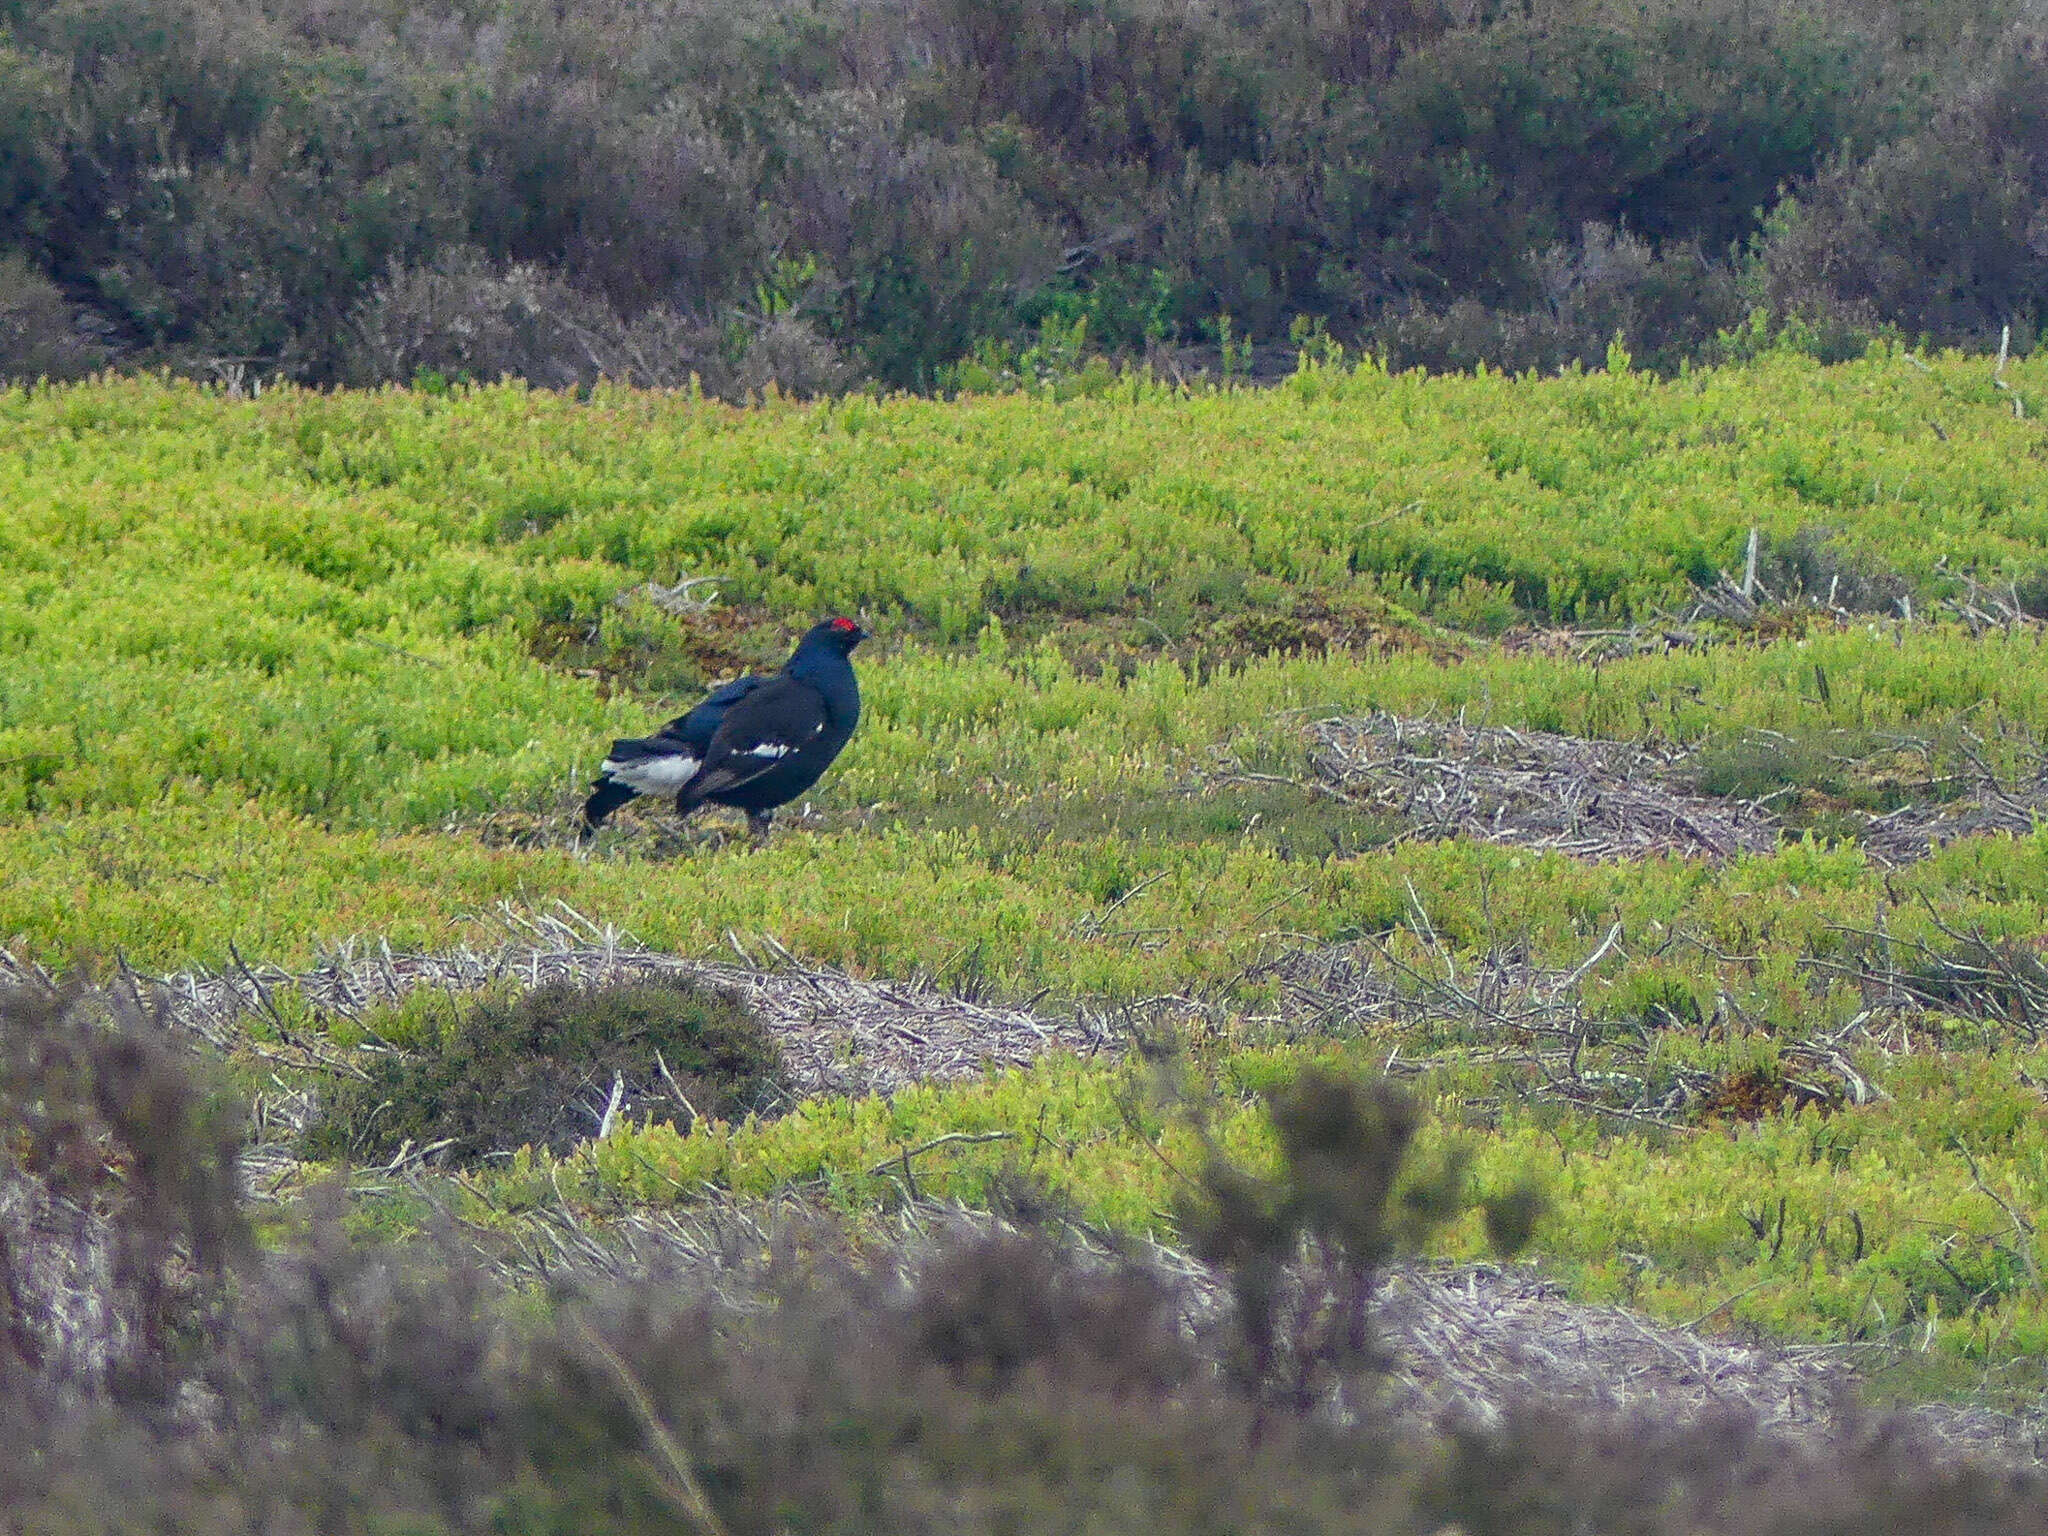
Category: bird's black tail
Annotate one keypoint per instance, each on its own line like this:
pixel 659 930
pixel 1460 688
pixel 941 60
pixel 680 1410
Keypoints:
pixel 606 796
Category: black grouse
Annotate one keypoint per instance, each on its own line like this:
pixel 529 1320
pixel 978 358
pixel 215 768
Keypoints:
pixel 753 744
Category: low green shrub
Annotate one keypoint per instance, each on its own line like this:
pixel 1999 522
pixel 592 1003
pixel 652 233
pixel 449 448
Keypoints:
pixel 1853 768
pixel 539 1070
pixel 1814 565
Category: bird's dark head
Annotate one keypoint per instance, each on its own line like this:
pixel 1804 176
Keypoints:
pixel 840 635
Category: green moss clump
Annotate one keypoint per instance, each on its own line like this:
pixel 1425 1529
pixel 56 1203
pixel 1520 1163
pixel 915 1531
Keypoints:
pixel 537 1070
pixel 1826 769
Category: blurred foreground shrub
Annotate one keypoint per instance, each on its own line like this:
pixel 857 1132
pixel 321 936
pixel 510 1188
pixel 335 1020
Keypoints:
pixel 119 1210
pixel 969 1377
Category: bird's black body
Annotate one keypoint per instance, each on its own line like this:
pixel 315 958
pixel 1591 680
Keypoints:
pixel 753 744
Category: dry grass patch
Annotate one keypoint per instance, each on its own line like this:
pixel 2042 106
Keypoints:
pixel 1898 798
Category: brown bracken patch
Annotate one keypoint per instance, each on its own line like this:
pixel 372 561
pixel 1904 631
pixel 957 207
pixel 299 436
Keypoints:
pixel 1748 1096
pixel 1312 626
pixel 645 647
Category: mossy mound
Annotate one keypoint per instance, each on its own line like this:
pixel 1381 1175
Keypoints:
pixel 539 1069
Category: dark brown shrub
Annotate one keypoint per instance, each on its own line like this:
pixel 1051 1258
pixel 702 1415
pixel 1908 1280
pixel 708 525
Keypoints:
pixel 1609 285
pixel 920 245
pixel 1943 234
pixel 681 225
pixel 1814 567
pixel 788 352
pixel 224 183
pixel 464 318
pixel 538 1070
pixel 32 144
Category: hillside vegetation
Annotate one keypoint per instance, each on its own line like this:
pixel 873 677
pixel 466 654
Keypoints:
pixel 287 680
pixel 927 193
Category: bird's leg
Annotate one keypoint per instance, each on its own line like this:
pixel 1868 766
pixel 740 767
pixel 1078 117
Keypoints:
pixel 757 826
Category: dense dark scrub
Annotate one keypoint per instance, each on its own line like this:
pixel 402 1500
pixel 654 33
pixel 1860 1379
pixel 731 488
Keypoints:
pixel 540 1070
pixel 978 1377
pixel 812 192
pixel 1943 232
pixel 1812 565
pixel 1608 284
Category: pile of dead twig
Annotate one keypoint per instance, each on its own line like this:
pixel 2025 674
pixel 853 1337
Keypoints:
pixel 1962 973
pixel 1533 789
pixel 1500 1010
pixel 1601 800
pixel 838 1033
pixel 1984 803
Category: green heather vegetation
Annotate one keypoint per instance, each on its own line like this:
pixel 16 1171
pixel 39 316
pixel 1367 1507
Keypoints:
pixel 285 672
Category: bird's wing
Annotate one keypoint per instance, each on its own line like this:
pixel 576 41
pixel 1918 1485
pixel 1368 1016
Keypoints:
pixel 769 725
pixel 664 762
pixel 695 729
